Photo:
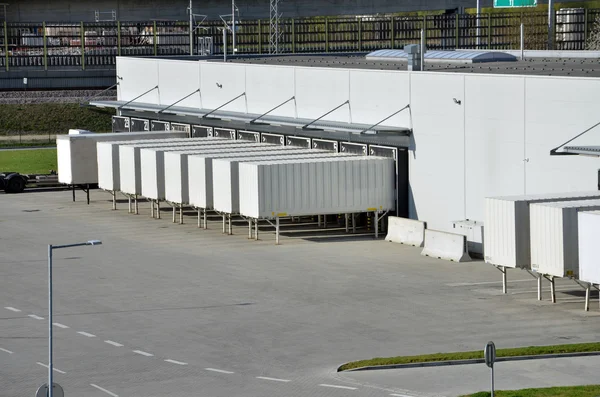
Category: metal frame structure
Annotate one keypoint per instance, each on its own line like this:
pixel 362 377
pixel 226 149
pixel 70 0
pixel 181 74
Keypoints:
pixel 274 32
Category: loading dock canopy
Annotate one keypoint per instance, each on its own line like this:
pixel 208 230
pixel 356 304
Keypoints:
pixel 212 114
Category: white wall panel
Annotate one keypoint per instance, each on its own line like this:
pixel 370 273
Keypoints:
pixel 436 158
pixel 220 83
pixel 557 109
pixel 138 76
pixel 375 95
pixel 320 90
pixel 495 138
pixel 269 87
pixel 178 79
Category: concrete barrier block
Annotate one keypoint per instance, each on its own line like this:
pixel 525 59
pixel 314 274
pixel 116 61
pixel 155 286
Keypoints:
pixel 448 246
pixel 406 231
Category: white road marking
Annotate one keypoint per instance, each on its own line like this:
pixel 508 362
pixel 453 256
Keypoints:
pixel 36 317
pixel 104 390
pixel 46 366
pixel 59 325
pixel 338 387
pixel 175 362
pixel 489 282
pixel 143 353
pixel 399 395
pixel 12 309
pixel 219 370
pixel 86 334
pixel 7 351
pixel 273 379
pixel 110 342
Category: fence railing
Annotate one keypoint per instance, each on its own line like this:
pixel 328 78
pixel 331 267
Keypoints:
pixel 93 45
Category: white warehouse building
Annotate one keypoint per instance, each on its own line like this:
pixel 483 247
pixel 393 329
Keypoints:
pixel 459 132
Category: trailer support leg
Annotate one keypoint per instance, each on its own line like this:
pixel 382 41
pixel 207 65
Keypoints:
pixel 114 197
pixel 230 231
pixel 552 290
pixel 224 221
pixel 277 230
pixel 318 217
pixel 88 194
pixel 129 205
pixel 539 287
pixel 205 220
pixel 73 188
pixel 504 283
pixel 181 214
pixel 199 216
pixel 249 228
pixel 152 209
pixel 353 223
pixel 174 211
pixel 137 208
pixel 587 298
pixel 325 221
pixel 376 224
pixel 256 229
pixel 158 209
pixel 346 222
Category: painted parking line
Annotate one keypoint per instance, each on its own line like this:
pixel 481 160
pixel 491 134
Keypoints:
pixel 36 317
pixel 338 387
pixel 110 342
pixel 175 362
pixel 54 368
pixel 59 325
pixel 12 309
pixel 104 390
pixel 219 371
pixel 86 334
pixel 273 379
pixel 6 351
pixel 143 353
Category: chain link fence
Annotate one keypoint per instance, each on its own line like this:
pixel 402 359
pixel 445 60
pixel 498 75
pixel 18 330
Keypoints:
pixel 93 45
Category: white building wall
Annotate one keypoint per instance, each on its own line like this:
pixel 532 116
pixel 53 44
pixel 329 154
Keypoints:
pixel 495 142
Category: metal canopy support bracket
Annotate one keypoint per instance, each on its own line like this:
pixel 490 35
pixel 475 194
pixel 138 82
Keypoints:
pixel 503 270
pixel 137 97
pixel 387 118
pixel 555 152
pixel 304 127
pixel 86 101
pixel 275 108
pixel 223 105
pixel 175 103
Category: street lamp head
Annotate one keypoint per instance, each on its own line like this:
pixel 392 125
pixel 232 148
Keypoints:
pixel 94 242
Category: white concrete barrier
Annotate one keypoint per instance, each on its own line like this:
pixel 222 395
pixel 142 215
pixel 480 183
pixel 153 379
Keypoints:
pixel 406 231
pixel 448 246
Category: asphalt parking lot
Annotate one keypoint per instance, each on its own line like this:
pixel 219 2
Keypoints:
pixel 167 309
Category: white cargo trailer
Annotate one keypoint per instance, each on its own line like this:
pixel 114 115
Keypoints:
pixel 589 247
pixel 176 169
pixel 506 233
pixel 76 154
pixel 225 178
pixel 554 237
pixel 153 169
pixel 130 165
pixel 108 160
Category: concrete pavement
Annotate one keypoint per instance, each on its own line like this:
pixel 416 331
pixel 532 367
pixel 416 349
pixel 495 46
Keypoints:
pixel 175 310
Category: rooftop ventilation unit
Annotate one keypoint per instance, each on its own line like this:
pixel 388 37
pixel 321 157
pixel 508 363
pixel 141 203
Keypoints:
pixel 443 56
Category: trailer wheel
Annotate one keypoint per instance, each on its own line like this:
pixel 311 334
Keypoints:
pixel 14 184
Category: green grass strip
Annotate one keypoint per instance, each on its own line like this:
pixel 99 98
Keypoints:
pixel 52 118
pixel 514 352
pixel 573 391
pixel 36 161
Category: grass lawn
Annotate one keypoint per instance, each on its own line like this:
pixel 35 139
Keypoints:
pixel 574 391
pixel 28 161
pixel 519 351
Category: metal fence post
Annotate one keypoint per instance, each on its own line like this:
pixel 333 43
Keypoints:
pixel 360 34
pixel 259 37
pixel 6 44
pixel 155 39
pixel 457 33
pixel 585 27
pixel 293 36
pixel 392 31
pixel 326 34
pixel 425 29
pixel 45 47
pixel 119 38
pixel 489 46
pixel 82 46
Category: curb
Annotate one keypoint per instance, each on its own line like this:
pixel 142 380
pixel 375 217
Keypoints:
pixel 470 361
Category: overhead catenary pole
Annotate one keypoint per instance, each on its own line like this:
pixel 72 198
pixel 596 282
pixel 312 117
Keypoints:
pixel 191 29
pixel 234 49
pixel 550 24
pixel 478 25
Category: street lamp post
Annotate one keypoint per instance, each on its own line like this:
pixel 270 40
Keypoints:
pixel 50 249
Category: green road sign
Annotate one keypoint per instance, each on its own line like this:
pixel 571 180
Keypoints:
pixel 514 3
